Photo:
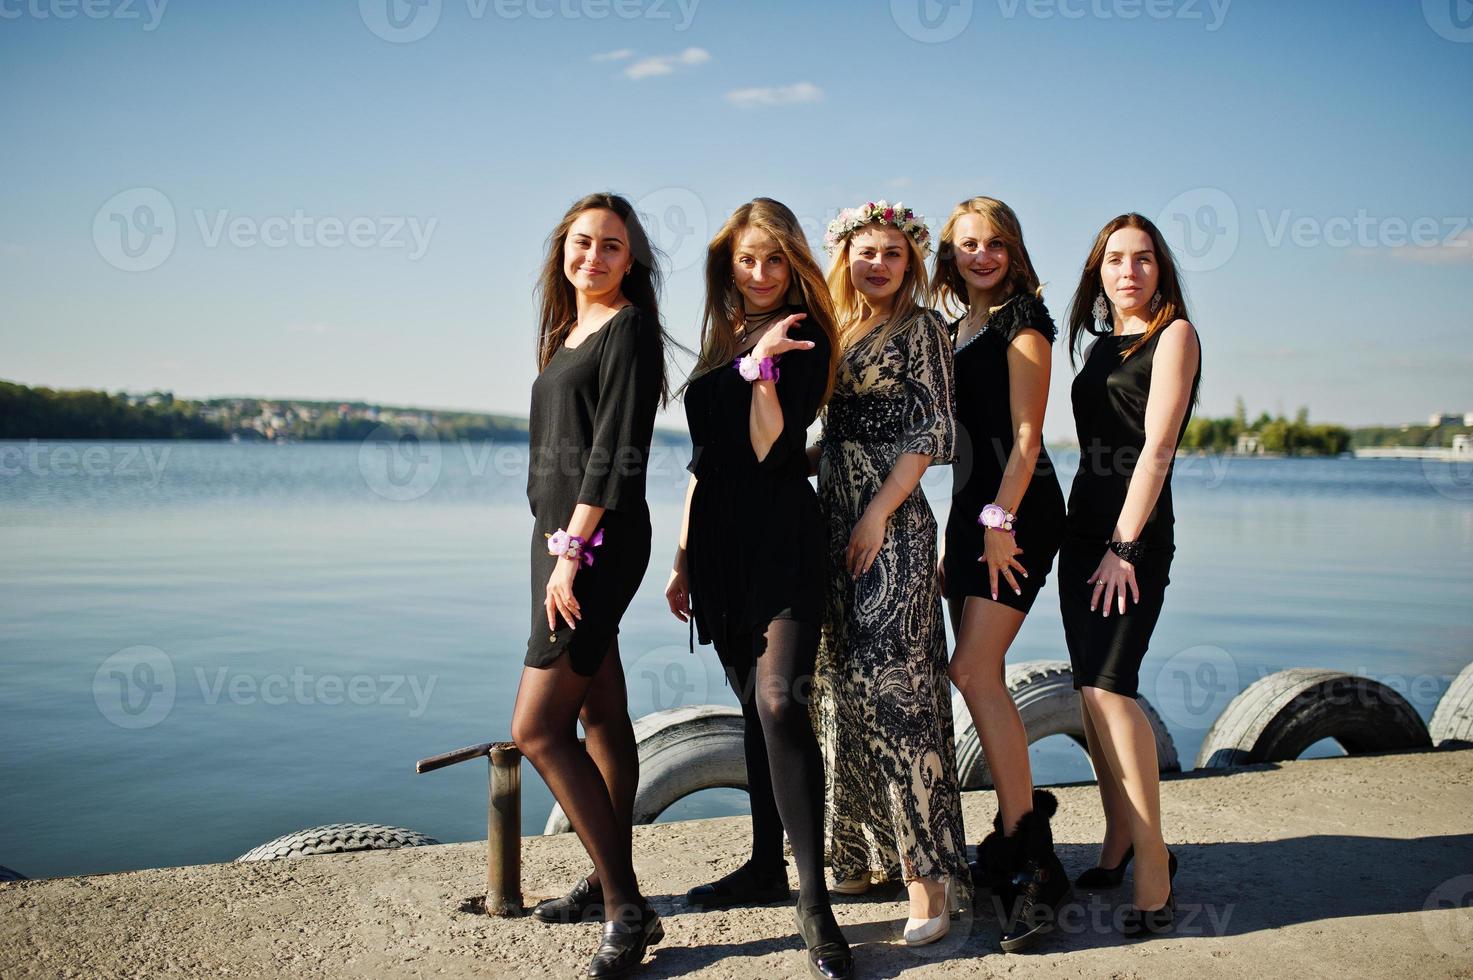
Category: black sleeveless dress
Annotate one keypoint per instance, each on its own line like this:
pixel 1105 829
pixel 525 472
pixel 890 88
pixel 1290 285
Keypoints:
pixel 755 546
pixel 589 432
pixel 1110 417
pixel 984 419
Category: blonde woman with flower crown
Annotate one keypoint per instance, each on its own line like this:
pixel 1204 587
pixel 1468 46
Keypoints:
pixel 882 697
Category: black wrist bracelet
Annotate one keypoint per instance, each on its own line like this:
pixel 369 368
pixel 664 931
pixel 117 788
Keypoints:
pixel 1130 551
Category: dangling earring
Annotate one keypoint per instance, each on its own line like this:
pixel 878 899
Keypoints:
pixel 1155 303
pixel 1101 309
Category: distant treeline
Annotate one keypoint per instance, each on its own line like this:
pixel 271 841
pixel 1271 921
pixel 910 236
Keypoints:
pixel 45 413
pixel 41 413
pixel 1300 437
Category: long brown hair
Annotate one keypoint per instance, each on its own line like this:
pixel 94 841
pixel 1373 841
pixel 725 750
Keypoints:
pixel 947 285
pixel 557 300
pixel 913 296
pixel 1081 308
pixel 724 310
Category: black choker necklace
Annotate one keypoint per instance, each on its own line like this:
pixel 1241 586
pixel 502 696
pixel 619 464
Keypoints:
pixel 750 323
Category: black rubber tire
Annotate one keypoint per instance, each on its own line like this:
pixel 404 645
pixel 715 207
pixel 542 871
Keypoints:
pixel 1279 716
pixel 1452 722
pixel 681 751
pixel 337 838
pixel 1044 692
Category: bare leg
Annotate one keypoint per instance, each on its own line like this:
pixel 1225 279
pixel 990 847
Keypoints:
pixel 1117 812
pixel 987 630
pixel 1129 745
pixel 544 727
pixel 611 745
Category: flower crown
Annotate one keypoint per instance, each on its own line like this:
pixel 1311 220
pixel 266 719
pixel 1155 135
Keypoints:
pixel 895 214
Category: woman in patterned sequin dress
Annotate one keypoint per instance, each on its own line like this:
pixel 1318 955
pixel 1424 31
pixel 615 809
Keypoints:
pixel 883 699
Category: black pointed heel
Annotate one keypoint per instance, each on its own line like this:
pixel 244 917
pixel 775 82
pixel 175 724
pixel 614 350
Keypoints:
pixel 1098 878
pixel 1153 922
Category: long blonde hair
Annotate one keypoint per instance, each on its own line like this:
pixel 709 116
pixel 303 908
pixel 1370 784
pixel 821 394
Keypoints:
pixel 724 311
pixel 947 285
pixel 913 296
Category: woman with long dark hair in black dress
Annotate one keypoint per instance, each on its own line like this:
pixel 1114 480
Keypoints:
pixel 1006 521
pixel 750 567
pixel 1132 400
pixel 601 377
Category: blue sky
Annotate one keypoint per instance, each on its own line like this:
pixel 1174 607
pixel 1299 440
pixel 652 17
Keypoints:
pixel 1303 143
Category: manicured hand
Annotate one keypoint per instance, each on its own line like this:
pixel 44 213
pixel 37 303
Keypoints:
pixel 1112 577
pixel 865 542
pixel 560 598
pixel 677 594
pixel 1000 550
pixel 775 341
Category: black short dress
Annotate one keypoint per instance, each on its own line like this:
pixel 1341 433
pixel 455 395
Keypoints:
pixel 1110 416
pixel 592 419
pixel 984 417
pixel 756 538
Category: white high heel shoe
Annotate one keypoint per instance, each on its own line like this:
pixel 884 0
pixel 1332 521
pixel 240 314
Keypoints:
pixel 919 932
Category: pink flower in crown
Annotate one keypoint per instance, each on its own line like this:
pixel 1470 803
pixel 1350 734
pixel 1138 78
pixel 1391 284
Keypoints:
pixel 890 215
pixel 557 543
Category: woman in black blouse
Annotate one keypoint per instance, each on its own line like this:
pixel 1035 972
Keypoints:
pixel 1132 400
pixel 1006 520
pixel 749 570
pixel 601 378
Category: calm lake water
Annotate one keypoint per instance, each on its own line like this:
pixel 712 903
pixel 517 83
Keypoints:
pixel 208 645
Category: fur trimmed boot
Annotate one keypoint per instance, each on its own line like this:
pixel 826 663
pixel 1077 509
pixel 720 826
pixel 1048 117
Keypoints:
pixel 989 870
pixel 1037 884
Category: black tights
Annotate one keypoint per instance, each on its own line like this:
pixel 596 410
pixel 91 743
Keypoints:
pixel 593 783
pixel 771 672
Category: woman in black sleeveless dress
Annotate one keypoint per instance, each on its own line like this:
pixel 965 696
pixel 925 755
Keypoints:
pixel 1132 400
pixel 601 378
pixel 991 574
pixel 750 569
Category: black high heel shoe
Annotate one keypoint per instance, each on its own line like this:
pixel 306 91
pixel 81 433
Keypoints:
pixel 1154 922
pixel 829 957
pixel 1098 878
pixel 623 945
pixel 585 903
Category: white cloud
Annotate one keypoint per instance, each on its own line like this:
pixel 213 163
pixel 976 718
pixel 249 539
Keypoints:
pixel 776 95
pixel 1451 250
pixel 618 55
pixel 666 64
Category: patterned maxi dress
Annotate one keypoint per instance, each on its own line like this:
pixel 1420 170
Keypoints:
pixel 882 698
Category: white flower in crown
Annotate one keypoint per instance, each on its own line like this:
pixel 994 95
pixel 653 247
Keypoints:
pixel 896 215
